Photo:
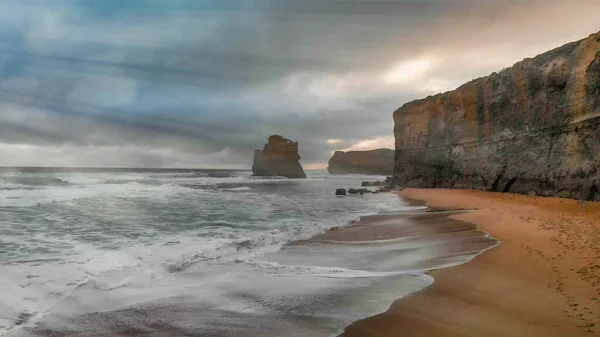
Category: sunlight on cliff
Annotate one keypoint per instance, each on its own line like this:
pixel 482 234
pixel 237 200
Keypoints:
pixel 408 72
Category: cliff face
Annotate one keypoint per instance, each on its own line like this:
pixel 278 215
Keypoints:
pixel 532 128
pixel 378 162
pixel 278 158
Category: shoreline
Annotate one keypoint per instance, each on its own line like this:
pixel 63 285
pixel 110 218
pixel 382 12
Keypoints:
pixel 543 280
pixel 305 288
pixel 437 260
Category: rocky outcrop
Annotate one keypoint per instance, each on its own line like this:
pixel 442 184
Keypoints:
pixel 532 128
pixel 376 162
pixel 340 191
pixel 279 157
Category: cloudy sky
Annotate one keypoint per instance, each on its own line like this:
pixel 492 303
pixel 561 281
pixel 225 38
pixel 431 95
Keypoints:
pixel 202 83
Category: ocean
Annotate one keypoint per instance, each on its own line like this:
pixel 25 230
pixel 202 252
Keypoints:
pixel 194 253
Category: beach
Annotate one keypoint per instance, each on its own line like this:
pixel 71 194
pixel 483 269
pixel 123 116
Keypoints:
pixel 288 258
pixel 542 280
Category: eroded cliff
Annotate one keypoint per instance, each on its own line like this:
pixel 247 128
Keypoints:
pixel 377 162
pixel 279 157
pixel 532 128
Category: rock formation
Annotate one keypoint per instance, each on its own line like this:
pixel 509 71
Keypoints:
pixel 340 191
pixel 278 158
pixel 533 128
pixel 377 162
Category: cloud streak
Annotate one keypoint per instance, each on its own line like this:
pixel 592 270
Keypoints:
pixel 203 83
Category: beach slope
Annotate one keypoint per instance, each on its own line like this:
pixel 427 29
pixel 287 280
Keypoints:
pixel 543 280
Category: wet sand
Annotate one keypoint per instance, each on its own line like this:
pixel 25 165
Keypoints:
pixel 543 280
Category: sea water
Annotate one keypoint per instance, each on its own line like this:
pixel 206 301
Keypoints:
pixel 188 252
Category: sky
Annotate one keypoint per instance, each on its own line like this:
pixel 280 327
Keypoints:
pixel 202 83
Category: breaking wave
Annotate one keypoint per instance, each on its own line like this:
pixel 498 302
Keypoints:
pixel 238 189
pixel 106 234
pixel 36 181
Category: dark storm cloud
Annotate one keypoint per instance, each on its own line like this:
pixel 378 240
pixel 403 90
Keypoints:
pixel 167 83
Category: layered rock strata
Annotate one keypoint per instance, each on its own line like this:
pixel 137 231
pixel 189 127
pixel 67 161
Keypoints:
pixel 533 128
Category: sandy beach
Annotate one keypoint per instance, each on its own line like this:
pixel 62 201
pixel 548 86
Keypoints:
pixel 543 280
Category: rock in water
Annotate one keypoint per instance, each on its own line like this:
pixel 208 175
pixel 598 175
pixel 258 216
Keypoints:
pixel 373 183
pixel 384 190
pixel 531 128
pixel 359 191
pixel 340 191
pixel 376 162
pixel 278 158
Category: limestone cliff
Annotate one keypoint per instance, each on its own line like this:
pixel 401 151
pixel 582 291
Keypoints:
pixel 378 162
pixel 532 128
pixel 279 157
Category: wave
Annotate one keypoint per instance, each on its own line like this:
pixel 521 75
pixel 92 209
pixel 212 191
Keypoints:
pixel 275 268
pixel 13 188
pixel 197 222
pixel 221 174
pixel 118 181
pixel 235 189
pixel 261 243
pixel 201 174
pixel 104 286
pixel 184 263
pixel 37 181
pixel 199 186
pixel 231 250
pixel 224 250
pixel 148 182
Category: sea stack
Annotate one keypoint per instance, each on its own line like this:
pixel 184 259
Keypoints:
pixel 375 162
pixel 533 128
pixel 279 157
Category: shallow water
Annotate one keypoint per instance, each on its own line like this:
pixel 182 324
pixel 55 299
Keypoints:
pixel 196 253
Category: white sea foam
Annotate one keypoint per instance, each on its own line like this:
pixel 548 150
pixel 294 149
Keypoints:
pixel 239 189
pixel 123 238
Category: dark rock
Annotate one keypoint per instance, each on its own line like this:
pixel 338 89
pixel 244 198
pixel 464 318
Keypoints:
pixel 358 191
pixel 340 191
pixel 278 158
pixel 375 162
pixel 530 129
pixel 384 190
pixel 372 183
